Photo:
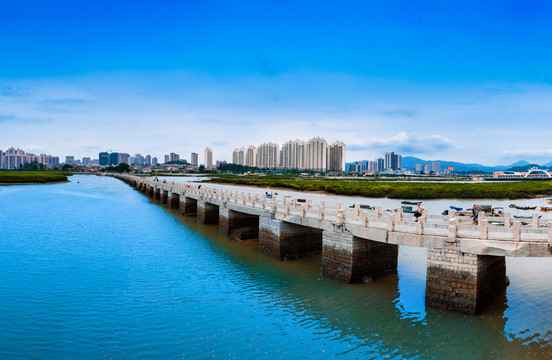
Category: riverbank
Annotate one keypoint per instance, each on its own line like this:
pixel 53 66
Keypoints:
pixel 403 190
pixel 32 177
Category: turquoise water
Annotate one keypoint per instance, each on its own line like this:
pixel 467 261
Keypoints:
pixel 95 270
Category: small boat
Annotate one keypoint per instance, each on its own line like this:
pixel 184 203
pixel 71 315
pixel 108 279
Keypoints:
pixel 455 208
pixel 301 200
pixel 546 208
pixel 514 206
pixel 363 206
pixel 407 202
pixel 525 217
pixel 407 209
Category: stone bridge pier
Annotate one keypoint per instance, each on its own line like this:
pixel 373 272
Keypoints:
pixel 348 258
pixel 462 282
pixel 188 206
pixel 230 220
pixel 164 196
pixel 173 200
pixel 157 193
pixel 207 213
pixel 150 190
pixel 283 240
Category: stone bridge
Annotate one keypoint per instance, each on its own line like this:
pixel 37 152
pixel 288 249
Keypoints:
pixel 466 265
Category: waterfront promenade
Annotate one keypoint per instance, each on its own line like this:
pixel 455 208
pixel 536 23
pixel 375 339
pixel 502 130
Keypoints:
pixel 465 262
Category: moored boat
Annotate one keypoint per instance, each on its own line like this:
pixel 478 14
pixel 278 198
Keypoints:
pixel 514 206
pixel 546 208
pixel 408 202
pixel 363 206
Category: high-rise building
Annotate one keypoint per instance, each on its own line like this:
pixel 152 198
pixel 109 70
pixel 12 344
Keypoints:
pixel 148 160
pixel 267 155
pixel 69 160
pixel 114 158
pixel 154 161
pixel 427 168
pixel 103 158
pixel 293 154
pixel 123 158
pixel 436 167
pixel 167 159
pixel 336 161
pixel 194 159
pixel 418 167
pixel 139 159
pixel 392 161
pixel 85 161
pixel 208 159
pixel 235 156
pixel 174 157
pixel 251 156
pixel 316 154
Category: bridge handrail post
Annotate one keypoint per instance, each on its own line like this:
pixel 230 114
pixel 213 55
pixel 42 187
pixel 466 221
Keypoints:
pixel 535 220
pixel 451 214
pixel 391 222
pixel 303 210
pixel 399 213
pixel 321 213
pixel 484 229
pixel 357 209
pixel 377 212
pixel 365 218
pixel 507 220
pixel 294 203
pixel 549 232
pixel 287 209
pixel 453 228
pixel 424 216
pixel 419 228
pixel 516 230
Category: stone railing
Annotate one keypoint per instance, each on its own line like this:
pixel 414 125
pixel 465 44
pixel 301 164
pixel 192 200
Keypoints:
pixel 500 228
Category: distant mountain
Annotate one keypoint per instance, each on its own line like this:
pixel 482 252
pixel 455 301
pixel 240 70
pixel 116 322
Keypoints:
pixel 524 168
pixel 409 162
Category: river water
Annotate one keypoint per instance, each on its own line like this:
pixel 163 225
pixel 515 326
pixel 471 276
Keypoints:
pixel 93 269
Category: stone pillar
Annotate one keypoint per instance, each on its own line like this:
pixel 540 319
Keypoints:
pixel 207 213
pixel 173 200
pixel 230 220
pixel 164 196
pixel 462 282
pixel 150 191
pixel 157 193
pixel 349 259
pixel 283 240
pixel 188 206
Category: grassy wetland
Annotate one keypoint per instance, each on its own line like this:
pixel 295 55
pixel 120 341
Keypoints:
pixel 401 189
pixel 32 177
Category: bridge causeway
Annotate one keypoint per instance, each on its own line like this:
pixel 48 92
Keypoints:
pixel 466 265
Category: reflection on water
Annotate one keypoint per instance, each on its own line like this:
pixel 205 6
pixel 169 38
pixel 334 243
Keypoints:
pixel 111 273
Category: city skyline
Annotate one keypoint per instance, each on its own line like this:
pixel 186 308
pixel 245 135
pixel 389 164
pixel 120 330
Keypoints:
pixel 461 81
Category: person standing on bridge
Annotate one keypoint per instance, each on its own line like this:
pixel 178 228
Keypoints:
pixel 475 213
pixel 419 211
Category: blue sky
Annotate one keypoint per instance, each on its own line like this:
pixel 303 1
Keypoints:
pixel 457 80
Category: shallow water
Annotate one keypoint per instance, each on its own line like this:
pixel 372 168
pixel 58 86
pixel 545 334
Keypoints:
pixel 95 269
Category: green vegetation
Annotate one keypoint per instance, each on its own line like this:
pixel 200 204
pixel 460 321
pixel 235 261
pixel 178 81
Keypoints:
pixel 121 168
pixel 404 190
pixel 23 177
